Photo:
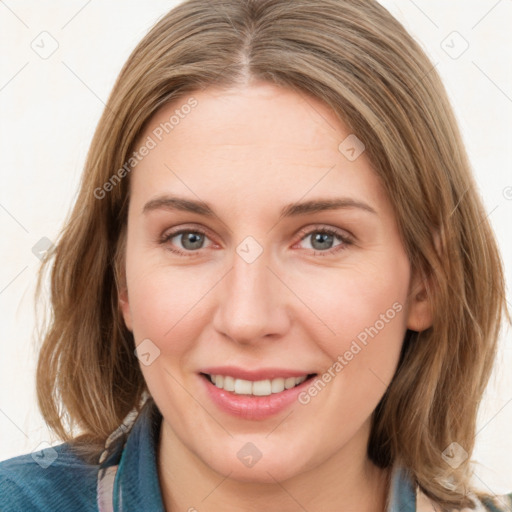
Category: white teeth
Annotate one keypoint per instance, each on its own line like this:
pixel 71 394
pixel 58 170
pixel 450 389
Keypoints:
pixel 229 383
pixel 262 388
pixel 243 387
pixel 289 383
pixel 257 388
pixel 277 385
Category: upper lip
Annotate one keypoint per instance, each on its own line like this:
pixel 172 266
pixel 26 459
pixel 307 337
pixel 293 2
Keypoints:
pixel 254 374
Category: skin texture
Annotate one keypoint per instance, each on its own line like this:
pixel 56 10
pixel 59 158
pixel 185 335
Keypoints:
pixel 247 152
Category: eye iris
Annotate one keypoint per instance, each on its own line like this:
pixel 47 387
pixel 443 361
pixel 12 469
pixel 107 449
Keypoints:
pixel 322 238
pixel 196 239
pixel 193 240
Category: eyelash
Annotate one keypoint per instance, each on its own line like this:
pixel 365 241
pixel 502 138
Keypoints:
pixel 345 239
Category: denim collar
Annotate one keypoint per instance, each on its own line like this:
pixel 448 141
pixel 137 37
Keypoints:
pixel 128 475
pixel 402 492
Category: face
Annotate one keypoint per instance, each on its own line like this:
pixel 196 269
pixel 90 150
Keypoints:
pixel 236 267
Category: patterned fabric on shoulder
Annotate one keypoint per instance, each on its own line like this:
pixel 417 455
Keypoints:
pixel 497 504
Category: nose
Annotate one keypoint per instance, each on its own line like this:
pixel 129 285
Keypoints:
pixel 252 302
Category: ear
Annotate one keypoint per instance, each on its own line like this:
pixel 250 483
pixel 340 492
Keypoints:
pixel 124 306
pixel 419 314
pixel 120 277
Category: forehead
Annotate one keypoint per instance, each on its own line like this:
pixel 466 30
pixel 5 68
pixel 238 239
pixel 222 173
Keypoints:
pixel 258 141
pixel 261 114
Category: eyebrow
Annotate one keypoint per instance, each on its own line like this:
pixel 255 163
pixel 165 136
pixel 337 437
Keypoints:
pixel 167 202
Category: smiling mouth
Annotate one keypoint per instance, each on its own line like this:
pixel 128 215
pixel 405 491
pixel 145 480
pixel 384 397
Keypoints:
pixel 256 388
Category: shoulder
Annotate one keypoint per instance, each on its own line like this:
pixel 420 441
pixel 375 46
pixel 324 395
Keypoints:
pixel 501 503
pixel 48 480
pixel 498 503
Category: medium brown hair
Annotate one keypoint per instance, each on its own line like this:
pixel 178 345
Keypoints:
pixel 359 60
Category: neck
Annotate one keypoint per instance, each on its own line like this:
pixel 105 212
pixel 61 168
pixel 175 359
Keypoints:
pixel 343 482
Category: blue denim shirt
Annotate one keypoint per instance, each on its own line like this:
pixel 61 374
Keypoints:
pixel 126 480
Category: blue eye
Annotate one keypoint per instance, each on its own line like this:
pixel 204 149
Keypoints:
pixel 191 240
pixel 322 239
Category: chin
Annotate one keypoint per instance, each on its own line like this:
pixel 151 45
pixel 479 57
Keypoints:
pixel 248 464
pixel 263 472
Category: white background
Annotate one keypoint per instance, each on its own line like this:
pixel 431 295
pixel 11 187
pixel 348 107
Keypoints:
pixel 50 107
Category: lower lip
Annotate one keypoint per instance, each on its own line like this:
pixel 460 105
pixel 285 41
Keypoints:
pixel 252 407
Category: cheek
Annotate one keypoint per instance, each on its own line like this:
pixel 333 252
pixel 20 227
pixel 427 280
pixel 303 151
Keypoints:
pixel 165 303
pixel 365 311
pixel 359 310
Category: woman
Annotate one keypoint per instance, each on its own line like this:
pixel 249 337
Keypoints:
pixel 256 368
